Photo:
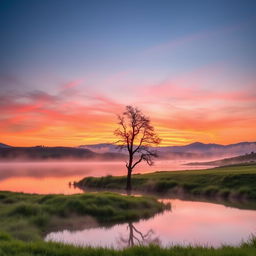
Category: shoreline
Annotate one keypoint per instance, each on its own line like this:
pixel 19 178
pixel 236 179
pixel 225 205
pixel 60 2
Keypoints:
pixel 236 182
pixel 12 247
pixel 29 216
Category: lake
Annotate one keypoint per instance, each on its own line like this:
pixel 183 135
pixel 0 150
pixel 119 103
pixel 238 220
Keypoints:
pixel 54 177
pixel 196 223
pixel 189 222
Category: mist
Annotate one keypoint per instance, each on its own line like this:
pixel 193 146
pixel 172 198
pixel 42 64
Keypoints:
pixel 54 176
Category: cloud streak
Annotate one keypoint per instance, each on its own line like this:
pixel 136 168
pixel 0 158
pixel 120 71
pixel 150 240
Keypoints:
pixel 182 112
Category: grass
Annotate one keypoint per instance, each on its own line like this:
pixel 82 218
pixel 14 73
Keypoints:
pixel 12 247
pixel 29 216
pixel 237 181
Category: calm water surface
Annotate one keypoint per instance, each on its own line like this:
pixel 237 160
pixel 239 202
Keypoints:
pixel 197 223
pixel 53 177
pixel 187 223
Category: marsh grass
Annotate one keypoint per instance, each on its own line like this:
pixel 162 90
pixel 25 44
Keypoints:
pixel 29 216
pixel 237 181
pixel 12 247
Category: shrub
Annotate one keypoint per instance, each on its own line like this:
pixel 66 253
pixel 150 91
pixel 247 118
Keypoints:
pixel 225 192
pixel 189 186
pixel 5 237
pixel 41 220
pixel 25 209
pixel 211 190
pixel 163 186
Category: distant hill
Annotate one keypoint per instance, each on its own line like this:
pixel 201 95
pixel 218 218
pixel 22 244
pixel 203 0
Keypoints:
pixel 213 149
pixel 110 152
pixel 101 148
pixel 194 150
pixel 162 153
pixel 2 145
pixel 247 158
pixel 55 153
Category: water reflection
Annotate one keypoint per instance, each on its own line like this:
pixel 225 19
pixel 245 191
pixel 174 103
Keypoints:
pixel 199 223
pixel 136 237
pixel 54 177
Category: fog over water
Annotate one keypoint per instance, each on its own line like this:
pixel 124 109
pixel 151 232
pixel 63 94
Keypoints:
pixel 54 177
pixel 188 222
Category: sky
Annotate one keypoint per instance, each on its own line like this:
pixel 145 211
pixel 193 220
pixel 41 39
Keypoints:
pixel 68 67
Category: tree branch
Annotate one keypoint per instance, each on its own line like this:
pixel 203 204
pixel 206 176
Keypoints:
pixel 141 158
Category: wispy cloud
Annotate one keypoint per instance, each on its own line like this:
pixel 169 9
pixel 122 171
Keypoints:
pixel 37 113
pixel 197 36
pixel 182 109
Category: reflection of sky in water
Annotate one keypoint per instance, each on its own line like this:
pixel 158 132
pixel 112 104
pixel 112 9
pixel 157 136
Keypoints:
pixel 188 223
pixel 53 177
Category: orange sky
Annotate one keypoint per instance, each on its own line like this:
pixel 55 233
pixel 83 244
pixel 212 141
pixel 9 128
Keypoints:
pixel 181 114
pixel 66 74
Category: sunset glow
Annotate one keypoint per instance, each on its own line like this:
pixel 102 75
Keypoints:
pixel 127 123
pixel 64 81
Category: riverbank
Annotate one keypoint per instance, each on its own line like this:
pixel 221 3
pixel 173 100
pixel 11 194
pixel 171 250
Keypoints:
pixel 12 247
pixel 29 217
pixel 237 181
pixel 237 160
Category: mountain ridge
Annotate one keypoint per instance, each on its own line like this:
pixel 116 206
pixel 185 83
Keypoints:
pixel 193 148
pixel 55 153
pixel 108 151
pixel 3 145
pixel 242 159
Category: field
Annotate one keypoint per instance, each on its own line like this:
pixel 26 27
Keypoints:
pixel 237 181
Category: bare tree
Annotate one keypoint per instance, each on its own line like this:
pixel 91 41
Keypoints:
pixel 136 237
pixel 136 134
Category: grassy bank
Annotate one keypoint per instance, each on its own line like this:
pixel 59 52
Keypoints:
pixel 227 182
pixel 29 216
pixel 11 247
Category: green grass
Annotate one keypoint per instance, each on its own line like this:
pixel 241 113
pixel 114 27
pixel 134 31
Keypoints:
pixel 11 247
pixel 228 182
pixel 29 216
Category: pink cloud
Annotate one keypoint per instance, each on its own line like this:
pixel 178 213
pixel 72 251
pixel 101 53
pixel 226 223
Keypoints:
pixel 38 110
pixel 201 85
pixel 177 108
pixel 72 84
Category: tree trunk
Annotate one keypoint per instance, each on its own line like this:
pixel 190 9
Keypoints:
pixel 131 235
pixel 129 179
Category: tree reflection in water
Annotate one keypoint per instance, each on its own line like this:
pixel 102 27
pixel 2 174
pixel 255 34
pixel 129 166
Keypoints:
pixel 136 237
